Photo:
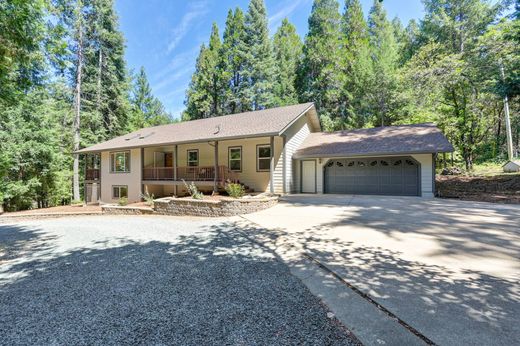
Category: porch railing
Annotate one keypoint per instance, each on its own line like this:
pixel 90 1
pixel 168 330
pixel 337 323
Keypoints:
pixel 201 173
pixel 92 174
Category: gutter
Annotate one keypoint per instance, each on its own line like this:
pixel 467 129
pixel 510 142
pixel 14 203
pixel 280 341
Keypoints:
pixel 313 156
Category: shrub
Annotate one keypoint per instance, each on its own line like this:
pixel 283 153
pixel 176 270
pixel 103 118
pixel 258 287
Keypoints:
pixel 123 201
pixel 148 198
pixel 192 190
pixel 76 202
pixel 235 190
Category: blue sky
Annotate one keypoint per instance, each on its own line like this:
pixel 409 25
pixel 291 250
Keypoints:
pixel 164 36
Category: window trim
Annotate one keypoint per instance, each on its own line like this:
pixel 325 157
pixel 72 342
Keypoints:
pixel 229 158
pixel 258 146
pixel 119 189
pixel 188 157
pixel 113 162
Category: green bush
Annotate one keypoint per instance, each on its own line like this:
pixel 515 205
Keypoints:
pixel 148 198
pixel 193 191
pixel 235 190
pixel 123 201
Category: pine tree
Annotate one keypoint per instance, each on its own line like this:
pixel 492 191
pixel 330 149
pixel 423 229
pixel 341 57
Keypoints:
pixel 147 110
pixel 358 65
pixel 233 51
pixel 208 88
pixel 106 81
pixel 287 47
pixel 385 55
pixel 321 79
pixel 259 62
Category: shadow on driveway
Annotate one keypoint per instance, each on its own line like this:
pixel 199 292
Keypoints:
pixel 212 288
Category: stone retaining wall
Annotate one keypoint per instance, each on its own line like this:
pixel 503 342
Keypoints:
pixel 212 208
pixel 125 210
pixel 501 188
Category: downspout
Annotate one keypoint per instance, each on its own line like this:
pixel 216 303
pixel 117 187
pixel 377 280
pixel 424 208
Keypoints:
pixel 284 160
pixel 271 166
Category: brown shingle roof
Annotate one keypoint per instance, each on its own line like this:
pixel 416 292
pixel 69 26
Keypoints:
pixel 405 139
pixel 267 122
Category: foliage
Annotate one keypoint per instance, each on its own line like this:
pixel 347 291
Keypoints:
pixel 287 54
pixel 148 198
pixel 192 190
pixel 122 201
pixel 147 110
pixel 235 190
pixel 320 78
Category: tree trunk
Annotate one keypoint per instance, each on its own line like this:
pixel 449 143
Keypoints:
pixel 77 100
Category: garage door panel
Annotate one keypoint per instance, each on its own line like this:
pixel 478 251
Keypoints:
pixel 384 176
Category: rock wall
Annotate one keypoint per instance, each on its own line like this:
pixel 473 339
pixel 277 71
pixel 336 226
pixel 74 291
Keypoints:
pixel 212 208
pixel 500 188
pixel 124 210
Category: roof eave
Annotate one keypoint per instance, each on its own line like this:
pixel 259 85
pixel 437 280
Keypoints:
pixel 310 156
pixel 212 139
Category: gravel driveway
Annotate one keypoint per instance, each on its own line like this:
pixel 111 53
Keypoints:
pixel 151 280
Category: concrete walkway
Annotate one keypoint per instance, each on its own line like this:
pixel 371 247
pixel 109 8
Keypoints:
pixel 450 269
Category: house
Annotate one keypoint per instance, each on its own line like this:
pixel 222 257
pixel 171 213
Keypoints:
pixel 279 150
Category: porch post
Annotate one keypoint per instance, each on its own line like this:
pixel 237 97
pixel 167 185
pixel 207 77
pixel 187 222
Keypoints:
pixel 215 180
pixel 175 170
pixel 271 167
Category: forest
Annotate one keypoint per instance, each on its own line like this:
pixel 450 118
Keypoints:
pixel 65 84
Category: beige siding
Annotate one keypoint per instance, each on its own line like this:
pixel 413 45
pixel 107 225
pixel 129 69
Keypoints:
pixel 259 181
pixel 295 136
pixel 131 179
pixel 426 173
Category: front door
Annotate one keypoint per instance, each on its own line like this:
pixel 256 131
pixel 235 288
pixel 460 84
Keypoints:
pixel 308 176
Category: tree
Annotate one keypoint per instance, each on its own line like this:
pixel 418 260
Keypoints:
pixel 287 54
pixel 453 63
pixel 233 51
pixel 259 63
pixel 147 110
pixel 384 52
pixel 358 66
pixel 320 77
pixel 208 88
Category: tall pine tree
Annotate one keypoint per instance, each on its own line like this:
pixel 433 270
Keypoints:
pixel 321 79
pixel 358 64
pixel 287 47
pixel 208 87
pixel 234 49
pixel 259 62
pixel 147 110
pixel 384 51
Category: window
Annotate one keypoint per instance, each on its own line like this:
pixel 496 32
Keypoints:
pixel 263 157
pixel 120 162
pixel 193 158
pixel 235 158
pixel 119 191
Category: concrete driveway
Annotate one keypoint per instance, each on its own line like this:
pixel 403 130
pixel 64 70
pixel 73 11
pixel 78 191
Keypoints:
pixel 104 280
pixel 450 269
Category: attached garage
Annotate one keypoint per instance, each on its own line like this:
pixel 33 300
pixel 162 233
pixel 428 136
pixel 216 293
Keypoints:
pixel 391 160
pixel 399 176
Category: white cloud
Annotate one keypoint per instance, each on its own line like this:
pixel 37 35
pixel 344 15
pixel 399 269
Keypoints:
pixel 171 78
pixel 195 10
pixel 186 58
pixel 288 8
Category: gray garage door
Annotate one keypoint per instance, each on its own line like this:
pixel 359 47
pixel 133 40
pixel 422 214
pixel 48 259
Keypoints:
pixel 397 176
